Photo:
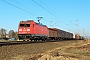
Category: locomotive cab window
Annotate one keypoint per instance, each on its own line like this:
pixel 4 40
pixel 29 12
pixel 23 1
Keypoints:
pixel 24 25
pixel 27 25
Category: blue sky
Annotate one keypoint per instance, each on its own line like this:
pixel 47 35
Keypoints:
pixel 62 12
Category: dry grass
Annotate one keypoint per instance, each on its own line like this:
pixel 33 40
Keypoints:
pixel 64 49
pixel 79 50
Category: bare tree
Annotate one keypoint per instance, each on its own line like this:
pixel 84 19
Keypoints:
pixel 16 35
pixel 3 33
pixel 11 34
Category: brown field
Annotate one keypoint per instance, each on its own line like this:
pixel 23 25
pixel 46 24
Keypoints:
pixel 63 50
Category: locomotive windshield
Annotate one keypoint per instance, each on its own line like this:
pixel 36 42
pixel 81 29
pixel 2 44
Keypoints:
pixel 24 25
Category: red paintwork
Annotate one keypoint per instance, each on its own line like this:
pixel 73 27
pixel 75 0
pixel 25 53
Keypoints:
pixel 34 29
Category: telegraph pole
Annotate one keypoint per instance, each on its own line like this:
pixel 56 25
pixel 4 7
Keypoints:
pixel 50 24
pixel 83 32
pixel 77 26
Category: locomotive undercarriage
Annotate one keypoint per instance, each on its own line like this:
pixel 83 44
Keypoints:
pixel 28 37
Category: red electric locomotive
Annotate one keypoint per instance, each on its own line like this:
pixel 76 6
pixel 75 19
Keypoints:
pixel 32 30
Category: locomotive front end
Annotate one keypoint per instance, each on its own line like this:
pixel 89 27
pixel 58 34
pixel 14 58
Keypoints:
pixel 24 30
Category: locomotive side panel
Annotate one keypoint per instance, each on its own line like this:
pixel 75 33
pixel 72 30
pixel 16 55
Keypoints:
pixel 40 30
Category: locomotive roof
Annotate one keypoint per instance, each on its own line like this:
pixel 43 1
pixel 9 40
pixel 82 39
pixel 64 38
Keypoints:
pixel 27 21
pixel 32 21
pixel 40 24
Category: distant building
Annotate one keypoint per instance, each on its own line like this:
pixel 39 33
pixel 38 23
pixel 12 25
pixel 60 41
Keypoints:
pixel 7 36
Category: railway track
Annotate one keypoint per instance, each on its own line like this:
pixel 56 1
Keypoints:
pixel 26 42
pixel 20 42
pixel 11 43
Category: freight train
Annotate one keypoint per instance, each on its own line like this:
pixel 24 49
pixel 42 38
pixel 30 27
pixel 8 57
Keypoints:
pixel 30 30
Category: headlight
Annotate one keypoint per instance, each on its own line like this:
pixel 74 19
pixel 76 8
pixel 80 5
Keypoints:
pixel 20 29
pixel 28 29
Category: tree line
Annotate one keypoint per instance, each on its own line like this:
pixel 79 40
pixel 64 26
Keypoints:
pixel 10 34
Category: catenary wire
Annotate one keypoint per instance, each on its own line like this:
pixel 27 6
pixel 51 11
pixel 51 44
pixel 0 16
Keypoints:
pixel 25 6
pixel 19 8
pixel 48 11
pixel 28 8
pixel 54 12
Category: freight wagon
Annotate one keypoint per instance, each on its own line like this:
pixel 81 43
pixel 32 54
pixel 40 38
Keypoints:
pixel 78 37
pixel 58 34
